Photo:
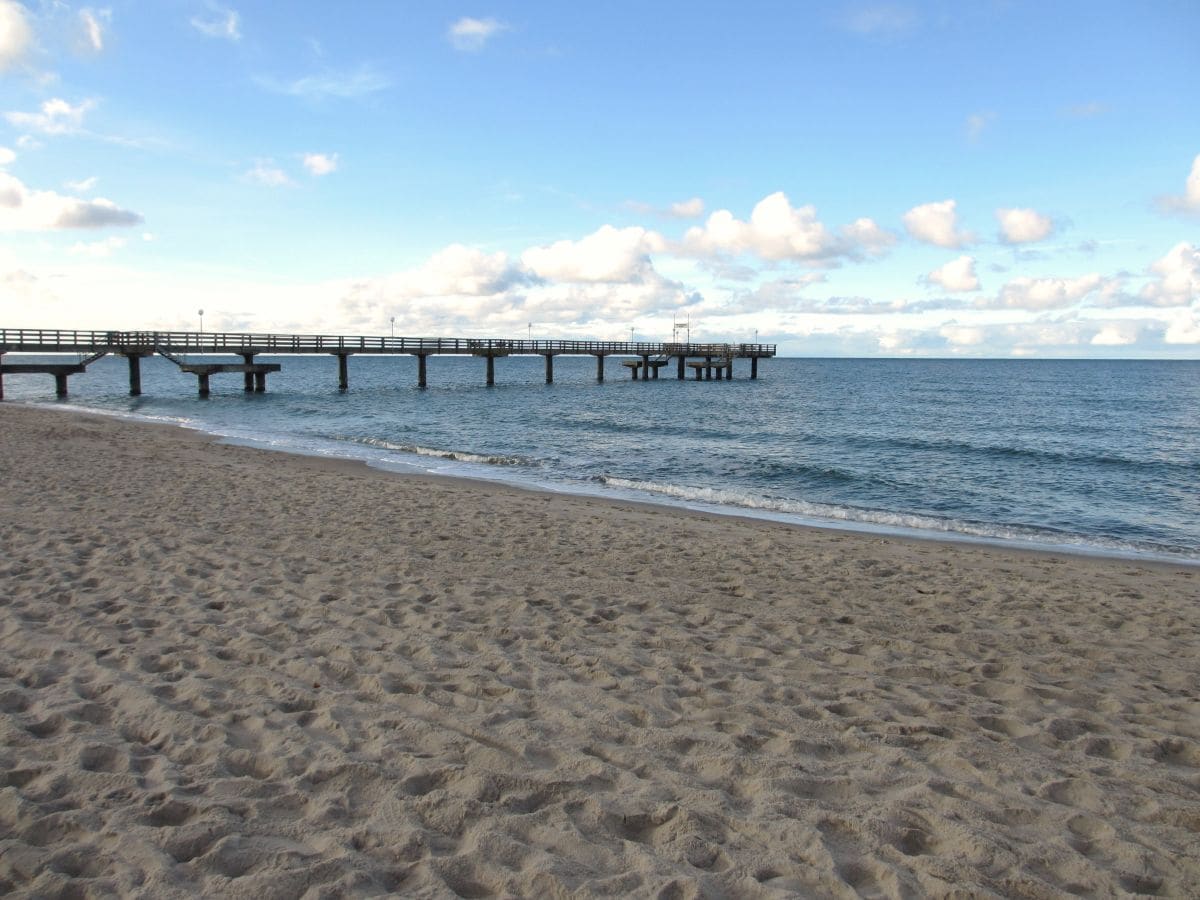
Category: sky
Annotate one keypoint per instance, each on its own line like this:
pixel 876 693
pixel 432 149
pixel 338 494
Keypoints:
pixel 983 179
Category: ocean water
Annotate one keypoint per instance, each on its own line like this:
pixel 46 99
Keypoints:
pixel 1096 456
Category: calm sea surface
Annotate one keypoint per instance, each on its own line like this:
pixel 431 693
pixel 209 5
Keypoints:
pixel 1095 455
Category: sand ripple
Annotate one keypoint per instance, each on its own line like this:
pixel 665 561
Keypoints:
pixel 232 673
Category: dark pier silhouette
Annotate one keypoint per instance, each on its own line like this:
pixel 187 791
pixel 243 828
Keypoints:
pixel 706 360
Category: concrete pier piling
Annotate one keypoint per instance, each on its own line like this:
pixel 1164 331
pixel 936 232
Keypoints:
pixel 343 371
pixel 135 374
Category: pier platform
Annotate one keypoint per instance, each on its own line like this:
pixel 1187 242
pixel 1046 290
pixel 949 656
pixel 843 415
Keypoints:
pixel 646 357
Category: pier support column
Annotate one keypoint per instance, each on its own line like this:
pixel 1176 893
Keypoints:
pixel 421 370
pixel 491 370
pixel 260 382
pixel 343 371
pixel 1 376
pixel 699 373
pixel 720 372
pixel 729 371
pixel 549 368
pixel 60 384
pixel 679 367
pixel 248 377
pixel 646 367
pixel 655 375
pixel 599 368
pixel 753 368
pixel 135 375
pixel 202 383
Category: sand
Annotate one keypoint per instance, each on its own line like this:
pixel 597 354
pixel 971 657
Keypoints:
pixel 232 672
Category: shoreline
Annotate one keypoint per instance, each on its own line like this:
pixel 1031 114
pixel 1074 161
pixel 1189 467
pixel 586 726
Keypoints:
pixel 227 671
pixel 864 529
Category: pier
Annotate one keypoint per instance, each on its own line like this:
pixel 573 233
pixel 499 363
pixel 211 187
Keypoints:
pixel 647 357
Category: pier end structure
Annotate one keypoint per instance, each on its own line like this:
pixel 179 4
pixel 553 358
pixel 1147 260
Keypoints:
pixel 135 345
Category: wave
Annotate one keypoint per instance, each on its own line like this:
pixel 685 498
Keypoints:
pixel 850 516
pixel 438 453
pixel 1009 451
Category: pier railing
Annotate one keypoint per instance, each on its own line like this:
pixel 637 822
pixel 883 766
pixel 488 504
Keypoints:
pixel 44 340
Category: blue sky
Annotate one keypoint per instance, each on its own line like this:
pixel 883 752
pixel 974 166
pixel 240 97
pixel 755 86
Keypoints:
pixel 978 179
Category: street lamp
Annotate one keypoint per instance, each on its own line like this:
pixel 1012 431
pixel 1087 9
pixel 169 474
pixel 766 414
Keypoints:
pixel 393 323
pixel 201 314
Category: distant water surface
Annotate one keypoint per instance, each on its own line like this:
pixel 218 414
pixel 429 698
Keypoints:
pixel 1101 456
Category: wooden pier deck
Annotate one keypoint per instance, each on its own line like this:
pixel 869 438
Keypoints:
pixel 648 356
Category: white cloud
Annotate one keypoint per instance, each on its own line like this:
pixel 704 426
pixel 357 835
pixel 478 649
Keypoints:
pixel 7 156
pixel 956 276
pixel 16 36
pixel 937 223
pixel 865 234
pixel 458 271
pixel 1086 110
pixel 963 335
pixel 1185 329
pixel 776 230
pixel 344 85
pixel 222 23
pixel 687 209
pixel 266 173
pixel 607 255
pixel 92 29
pixel 1177 278
pixel 1190 201
pixel 683 209
pixel 57 116
pixel 97 249
pixel 320 163
pixel 1023 226
pixel 881 19
pixel 24 209
pixel 82 186
pixel 1117 334
pixel 603 282
pixel 471 34
pixel 977 123
pixel 1039 294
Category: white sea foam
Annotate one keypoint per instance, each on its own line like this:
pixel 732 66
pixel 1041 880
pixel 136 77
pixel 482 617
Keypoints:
pixel 881 521
pixel 437 453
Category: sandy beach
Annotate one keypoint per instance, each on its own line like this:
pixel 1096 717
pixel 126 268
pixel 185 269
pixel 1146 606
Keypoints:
pixel 231 672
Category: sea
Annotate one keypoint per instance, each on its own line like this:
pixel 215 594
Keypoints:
pixel 1099 457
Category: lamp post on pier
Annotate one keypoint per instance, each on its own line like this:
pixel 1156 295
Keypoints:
pixel 200 313
pixel 393 324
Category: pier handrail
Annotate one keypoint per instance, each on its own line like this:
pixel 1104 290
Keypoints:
pixel 53 340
